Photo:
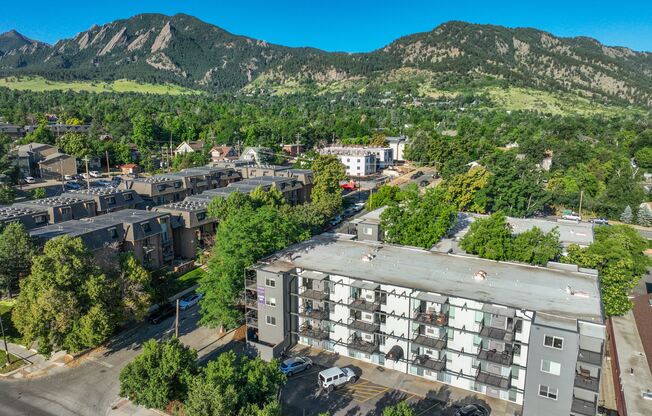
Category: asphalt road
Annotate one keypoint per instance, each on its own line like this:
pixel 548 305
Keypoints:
pixel 92 386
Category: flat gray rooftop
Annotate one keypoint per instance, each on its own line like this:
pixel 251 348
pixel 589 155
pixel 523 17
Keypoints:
pixel 54 201
pixel 188 205
pixel 131 215
pixel 541 289
pixel 98 191
pixel 13 212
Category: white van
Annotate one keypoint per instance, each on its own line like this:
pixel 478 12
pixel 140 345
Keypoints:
pixel 335 377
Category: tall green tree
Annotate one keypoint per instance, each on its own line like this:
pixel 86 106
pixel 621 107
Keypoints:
pixel 418 220
pixel 329 172
pixel 65 302
pixel 489 238
pixel 16 252
pixel 159 374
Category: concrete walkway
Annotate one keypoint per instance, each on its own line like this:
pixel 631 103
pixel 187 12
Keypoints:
pixel 408 383
pixel 37 364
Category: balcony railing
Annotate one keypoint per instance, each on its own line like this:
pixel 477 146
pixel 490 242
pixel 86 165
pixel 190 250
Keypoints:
pixel 424 361
pixel 500 334
pixel 359 325
pixel 359 344
pixel 587 382
pixel 494 356
pixel 429 342
pixel 583 407
pixel 320 314
pixel 251 303
pixel 492 379
pixel 252 321
pixel 314 332
pixel 314 294
pixel 363 304
pixel 251 284
pixel 589 357
pixel 430 318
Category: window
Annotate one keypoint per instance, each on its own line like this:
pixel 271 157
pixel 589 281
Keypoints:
pixel 40 219
pixel 113 232
pixel 270 302
pixel 160 188
pixel 550 367
pixel 368 231
pixel 553 342
pixel 201 216
pixel 548 392
pixel 146 227
pixel 128 197
pixel 451 312
pixel 479 316
pixel 110 200
pixel 451 334
pixel 515 372
pixel 270 320
pixel 269 282
pixel 177 185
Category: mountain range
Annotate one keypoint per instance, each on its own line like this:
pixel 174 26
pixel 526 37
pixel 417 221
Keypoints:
pixel 184 50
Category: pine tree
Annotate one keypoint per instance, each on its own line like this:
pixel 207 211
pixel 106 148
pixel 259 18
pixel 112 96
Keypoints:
pixel 644 215
pixel 627 216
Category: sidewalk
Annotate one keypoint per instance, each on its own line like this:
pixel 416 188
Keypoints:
pixel 407 383
pixel 37 364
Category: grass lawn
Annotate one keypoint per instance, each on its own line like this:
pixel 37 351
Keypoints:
pixel 15 362
pixel 167 284
pixel 40 84
pixel 11 332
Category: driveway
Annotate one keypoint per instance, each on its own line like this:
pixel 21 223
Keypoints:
pixel 92 386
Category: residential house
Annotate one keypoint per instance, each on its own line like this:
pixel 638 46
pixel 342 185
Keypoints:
pixel 259 155
pixel 130 169
pixel 30 154
pixel 293 150
pixel 189 147
pixel 222 153
pixel 11 130
pixel 57 165
pixel 530 336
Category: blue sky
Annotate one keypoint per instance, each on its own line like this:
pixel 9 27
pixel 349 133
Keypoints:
pixel 353 25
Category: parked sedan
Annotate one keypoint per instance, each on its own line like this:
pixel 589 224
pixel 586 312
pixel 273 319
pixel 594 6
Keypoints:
pixel 295 365
pixel 85 175
pixel 95 174
pixel 30 179
pixel 190 301
pixel 163 312
pixel 472 410
pixel 73 185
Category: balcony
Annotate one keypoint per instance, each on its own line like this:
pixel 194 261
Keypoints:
pixel 500 334
pixel 586 382
pixel 359 325
pixel 314 332
pixel 424 361
pixel 359 344
pixel 314 313
pixel 498 357
pixel 492 380
pixel 583 407
pixel 430 318
pixel 589 357
pixel 363 304
pixel 252 321
pixel 313 294
pixel 430 342
pixel 251 284
pixel 251 303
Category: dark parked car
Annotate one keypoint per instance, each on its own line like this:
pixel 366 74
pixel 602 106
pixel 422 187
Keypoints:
pixel 472 410
pixel 416 174
pixel 163 312
pixel 600 221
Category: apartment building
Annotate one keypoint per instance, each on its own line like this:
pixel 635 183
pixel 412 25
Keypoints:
pixel 533 336
pixel 147 234
pixel 107 199
pixel 362 161
pixel 305 176
pixel 158 189
pixel 61 208
pixel 192 227
pixel 398 145
pixel 30 217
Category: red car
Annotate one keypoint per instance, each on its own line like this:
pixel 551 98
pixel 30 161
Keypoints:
pixel 349 186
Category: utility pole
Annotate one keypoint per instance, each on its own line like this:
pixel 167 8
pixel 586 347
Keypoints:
pixel 108 166
pixel 170 156
pixel 4 338
pixel 176 322
pixel 88 177
pixel 581 196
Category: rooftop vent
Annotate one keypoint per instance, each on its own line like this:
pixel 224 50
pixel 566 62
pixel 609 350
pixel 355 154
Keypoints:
pixel 480 275
pixel 578 293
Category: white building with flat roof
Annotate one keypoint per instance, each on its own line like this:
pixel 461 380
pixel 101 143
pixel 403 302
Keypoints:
pixel 362 161
pixel 533 336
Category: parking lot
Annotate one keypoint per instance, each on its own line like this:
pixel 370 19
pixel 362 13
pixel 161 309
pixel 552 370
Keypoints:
pixel 303 397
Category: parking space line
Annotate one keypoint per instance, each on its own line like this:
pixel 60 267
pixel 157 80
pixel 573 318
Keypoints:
pixel 421 413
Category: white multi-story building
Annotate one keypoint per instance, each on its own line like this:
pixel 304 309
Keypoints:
pixel 530 335
pixel 362 161
pixel 398 145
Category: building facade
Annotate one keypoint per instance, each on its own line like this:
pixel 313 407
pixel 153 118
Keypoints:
pixel 529 335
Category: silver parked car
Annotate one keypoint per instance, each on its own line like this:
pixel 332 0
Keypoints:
pixel 295 365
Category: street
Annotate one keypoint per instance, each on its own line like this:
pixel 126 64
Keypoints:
pixel 92 386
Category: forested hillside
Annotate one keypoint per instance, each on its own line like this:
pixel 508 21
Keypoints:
pixel 184 50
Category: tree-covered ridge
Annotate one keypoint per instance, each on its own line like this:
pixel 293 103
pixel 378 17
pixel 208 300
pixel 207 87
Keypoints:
pixel 184 50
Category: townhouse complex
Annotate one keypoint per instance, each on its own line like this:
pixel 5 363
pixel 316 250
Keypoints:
pixel 533 336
